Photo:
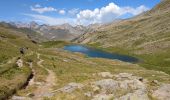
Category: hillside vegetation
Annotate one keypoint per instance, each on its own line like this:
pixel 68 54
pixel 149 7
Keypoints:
pixel 12 77
pixel 61 75
pixel 146 36
pixel 75 77
pixel 47 72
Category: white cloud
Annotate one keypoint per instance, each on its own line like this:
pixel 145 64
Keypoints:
pixel 51 20
pixel 62 12
pixel 37 8
pixel 37 5
pixel 107 14
pixel 85 17
pixel 73 11
pixel 41 10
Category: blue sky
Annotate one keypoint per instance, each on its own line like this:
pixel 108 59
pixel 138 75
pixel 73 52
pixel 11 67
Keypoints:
pixel 72 11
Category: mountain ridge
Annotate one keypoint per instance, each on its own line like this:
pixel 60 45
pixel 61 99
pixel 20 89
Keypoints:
pixel 65 32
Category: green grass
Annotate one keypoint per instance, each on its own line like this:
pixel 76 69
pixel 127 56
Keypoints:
pixel 12 80
pixel 156 61
pixel 12 77
pixel 54 44
pixel 74 67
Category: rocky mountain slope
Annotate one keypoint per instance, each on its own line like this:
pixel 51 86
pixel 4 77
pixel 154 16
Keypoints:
pixel 58 32
pixel 146 33
pixel 31 34
pixel 146 36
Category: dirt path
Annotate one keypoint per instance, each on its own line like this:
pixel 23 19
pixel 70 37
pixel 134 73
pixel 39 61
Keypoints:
pixel 45 89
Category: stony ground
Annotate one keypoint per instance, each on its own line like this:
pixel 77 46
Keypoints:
pixel 72 76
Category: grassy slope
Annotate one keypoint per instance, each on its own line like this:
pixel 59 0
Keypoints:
pixel 54 44
pixel 74 67
pixel 12 77
pixel 146 36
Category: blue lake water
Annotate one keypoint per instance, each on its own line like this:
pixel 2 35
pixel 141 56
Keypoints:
pixel 92 52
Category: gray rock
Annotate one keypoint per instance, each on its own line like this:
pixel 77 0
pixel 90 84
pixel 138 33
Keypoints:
pixel 136 84
pixel 124 76
pixel 137 95
pixel 107 84
pixel 19 63
pixel 134 88
pixel 71 87
pixel 163 92
pixel 105 74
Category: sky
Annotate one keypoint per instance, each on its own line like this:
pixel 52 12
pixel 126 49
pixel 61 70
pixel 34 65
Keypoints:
pixel 81 12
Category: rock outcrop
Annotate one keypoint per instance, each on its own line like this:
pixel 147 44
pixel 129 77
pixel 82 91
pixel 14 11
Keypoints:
pixel 71 87
pixel 163 92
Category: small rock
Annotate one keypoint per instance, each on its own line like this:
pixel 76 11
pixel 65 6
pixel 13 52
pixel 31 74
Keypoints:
pixel 105 74
pixel 155 82
pixel 65 60
pixel 19 63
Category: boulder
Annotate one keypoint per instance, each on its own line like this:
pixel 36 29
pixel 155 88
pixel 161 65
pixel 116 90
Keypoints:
pixel 107 85
pixel 130 85
pixel 137 95
pixel 162 93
